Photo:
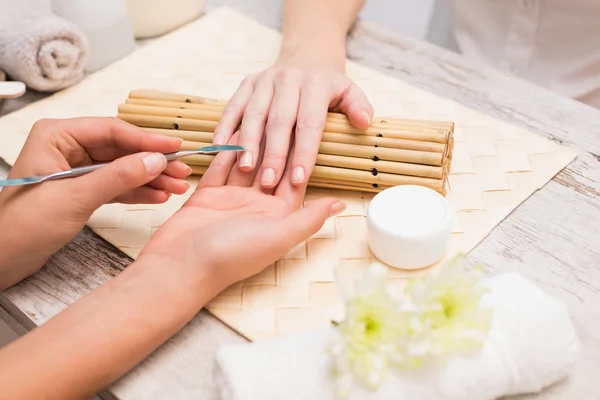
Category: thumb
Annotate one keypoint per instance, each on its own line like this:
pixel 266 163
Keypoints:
pixel 123 174
pixel 357 107
pixel 302 224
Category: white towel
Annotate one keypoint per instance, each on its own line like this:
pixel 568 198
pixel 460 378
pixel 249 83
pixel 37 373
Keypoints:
pixel 38 48
pixel 531 345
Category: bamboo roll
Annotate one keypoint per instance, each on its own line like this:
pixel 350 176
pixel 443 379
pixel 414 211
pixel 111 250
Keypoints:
pixel 390 152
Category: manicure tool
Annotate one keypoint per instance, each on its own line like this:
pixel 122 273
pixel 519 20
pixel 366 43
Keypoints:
pixel 84 170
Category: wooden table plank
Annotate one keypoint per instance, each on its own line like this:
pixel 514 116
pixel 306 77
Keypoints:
pixel 551 238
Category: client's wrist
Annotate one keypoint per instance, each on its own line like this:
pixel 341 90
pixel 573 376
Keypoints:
pixel 192 281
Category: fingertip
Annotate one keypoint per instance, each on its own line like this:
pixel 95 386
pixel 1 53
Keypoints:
pixel 337 208
pixel 246 161
pixel 298 175
pixel 360 118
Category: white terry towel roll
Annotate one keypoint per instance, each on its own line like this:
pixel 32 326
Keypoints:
pixel 38 48
pixel 531 345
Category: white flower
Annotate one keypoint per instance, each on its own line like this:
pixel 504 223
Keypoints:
pixel 366 343
pixel 437 316
pixel 449 315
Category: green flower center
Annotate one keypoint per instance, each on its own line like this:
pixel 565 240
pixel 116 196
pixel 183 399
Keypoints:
pixel 370 325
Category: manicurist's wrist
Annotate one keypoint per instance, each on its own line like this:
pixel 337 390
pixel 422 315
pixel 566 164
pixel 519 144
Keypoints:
pixel 319 54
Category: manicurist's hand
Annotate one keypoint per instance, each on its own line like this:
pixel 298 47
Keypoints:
pixel 37 220
pixel 288 102
pixel 231 228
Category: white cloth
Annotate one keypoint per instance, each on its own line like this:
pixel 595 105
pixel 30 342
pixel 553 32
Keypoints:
pixel 38 48
pixel 531 345
pixel 553 43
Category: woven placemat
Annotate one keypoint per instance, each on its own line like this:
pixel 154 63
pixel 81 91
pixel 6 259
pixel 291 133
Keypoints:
pixel 495 167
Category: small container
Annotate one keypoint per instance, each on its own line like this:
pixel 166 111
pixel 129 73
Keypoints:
pixel 409 226
pixel 152 18
pixel 106 26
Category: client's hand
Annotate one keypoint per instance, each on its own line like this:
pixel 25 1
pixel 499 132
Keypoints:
pixel 37 220
pixel 231 229
pixel 289 99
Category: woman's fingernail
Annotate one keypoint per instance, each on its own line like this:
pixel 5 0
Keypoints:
pixel 298 175
pixel 180 139
pixel 268 176
pixel 367 116
pixel 155 163
pixel 217 140
pixel 186 183
pixel 337 208
pixel 187 168
pixel 246 160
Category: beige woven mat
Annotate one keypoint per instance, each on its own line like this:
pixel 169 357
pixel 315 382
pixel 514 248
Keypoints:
pixel 496 166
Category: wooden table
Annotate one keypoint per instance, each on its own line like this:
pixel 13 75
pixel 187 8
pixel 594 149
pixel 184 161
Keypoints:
pixel 553 238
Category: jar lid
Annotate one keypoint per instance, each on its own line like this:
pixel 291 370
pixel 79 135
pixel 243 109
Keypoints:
pixel 409 226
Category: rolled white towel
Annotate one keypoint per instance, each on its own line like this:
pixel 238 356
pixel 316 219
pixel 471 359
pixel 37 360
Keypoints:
pixel 531 345
pixel 38 48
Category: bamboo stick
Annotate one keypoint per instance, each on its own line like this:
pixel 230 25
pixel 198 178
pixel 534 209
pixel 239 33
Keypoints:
pixel 364 164
pixel 382 153
pixel 168 96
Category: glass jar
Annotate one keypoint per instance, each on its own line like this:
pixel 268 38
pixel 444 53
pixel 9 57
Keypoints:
pixel 152 18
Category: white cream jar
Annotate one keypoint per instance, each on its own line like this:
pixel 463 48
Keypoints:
pixel 409 226
pixel 152 18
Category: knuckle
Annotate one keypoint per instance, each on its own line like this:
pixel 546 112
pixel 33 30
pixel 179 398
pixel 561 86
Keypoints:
pixel 254 111
pixel 278 120
pixel 122 173
pixel 316 79
pixel 289 76
pixel 274 157
pixel 304 155
pixel 41 126
pixel 248 80
pixel 309 124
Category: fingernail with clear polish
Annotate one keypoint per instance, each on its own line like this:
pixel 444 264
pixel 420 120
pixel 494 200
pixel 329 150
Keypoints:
pixel 366 115
pixel 154 163
pixel 337 208
pixel 246 160
pixel 268 176
pixel 298 175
